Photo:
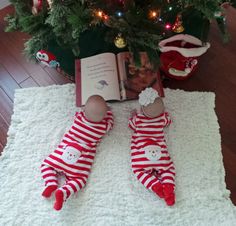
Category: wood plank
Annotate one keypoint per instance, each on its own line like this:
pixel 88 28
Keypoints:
pixel 56 76
pixel 51 72
pixel 14 44
pixel 7 83
pixel 3 131
pixel 6 106
pixel 33 69
pixel 41 78
pixel 16 41
pixel 7 58
pixel 12 66
pixel 28 83
pixel 1 148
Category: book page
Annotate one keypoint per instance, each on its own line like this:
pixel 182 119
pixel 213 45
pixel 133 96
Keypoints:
pixel 132 79
pixel 99 76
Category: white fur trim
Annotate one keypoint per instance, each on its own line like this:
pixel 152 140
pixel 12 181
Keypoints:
pixel 188 70
pixel 179 73
pixel 191 52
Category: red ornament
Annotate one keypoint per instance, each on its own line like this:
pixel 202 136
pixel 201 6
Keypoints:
pixel 178 25
pixel 168 26
pixel 37 6
pixel 47 58
pixel 179 55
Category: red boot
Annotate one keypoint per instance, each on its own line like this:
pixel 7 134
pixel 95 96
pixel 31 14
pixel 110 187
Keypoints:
pixel 158 189
pixel 169 194
pixel 49 190
pixel 59 200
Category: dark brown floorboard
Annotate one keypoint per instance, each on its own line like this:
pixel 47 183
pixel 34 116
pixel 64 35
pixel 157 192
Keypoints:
pixel 7 82
pixel 6 106
pixel 3 131
pixel 29 82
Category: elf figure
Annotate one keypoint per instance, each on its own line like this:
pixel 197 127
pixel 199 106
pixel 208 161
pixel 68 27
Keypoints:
pixel 150 160
pixel 179 55
pixel 75 154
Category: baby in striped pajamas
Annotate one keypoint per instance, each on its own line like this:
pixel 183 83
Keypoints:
pixel 75 154
pixel 150 160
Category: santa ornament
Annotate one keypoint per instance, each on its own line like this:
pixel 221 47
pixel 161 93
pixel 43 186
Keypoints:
pixel 37 6
pixel 179 55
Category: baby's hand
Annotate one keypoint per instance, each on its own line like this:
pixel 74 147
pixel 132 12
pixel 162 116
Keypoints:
pixel 133 113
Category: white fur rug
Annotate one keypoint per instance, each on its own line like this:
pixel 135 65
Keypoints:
pixel 112 195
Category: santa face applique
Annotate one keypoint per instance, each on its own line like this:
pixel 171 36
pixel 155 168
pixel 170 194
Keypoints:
pixel 153 152
pixel 70 155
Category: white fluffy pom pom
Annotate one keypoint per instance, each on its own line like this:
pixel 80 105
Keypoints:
pixel 148 96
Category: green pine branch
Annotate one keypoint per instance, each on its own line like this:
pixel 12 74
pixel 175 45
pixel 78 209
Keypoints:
pixel 67 20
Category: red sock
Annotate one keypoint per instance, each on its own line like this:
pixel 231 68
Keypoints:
pixel 169 194
pixel 59 200
pixel 49 190
pixel 158 189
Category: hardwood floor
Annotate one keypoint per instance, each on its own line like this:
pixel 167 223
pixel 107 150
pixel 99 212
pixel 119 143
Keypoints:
pixel 216 73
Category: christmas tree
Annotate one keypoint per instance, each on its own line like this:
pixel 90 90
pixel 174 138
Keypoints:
pixel 79 28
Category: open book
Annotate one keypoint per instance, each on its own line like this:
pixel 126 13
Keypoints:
pixel 114 77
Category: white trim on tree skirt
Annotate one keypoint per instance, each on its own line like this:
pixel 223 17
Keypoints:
pixel 112 195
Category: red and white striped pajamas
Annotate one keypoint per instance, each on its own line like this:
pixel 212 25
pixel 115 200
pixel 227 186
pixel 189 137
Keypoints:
pixel 75 154
pixel 150 160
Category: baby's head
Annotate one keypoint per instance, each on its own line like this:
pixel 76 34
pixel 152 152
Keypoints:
pixel 151 103
pixel 95 108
